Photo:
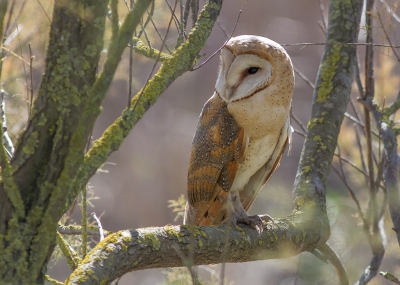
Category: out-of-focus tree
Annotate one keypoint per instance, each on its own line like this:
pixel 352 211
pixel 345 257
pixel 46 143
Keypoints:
pixel 54 157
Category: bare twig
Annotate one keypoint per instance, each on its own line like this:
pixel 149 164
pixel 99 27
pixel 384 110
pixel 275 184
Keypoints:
pixel 390 277
pixel 336 263
pixel 223 29
pixel 155 63
pixel 357 75
pixel 345 160
pixel 7 142
pixel 194 5
pixel 340 44
pixel 218 50
pixel 322 10
pixel 101 232
pixel 77 230
pixel 31 57
pixel 298 121
pixel 390 11
pixel 350 190
pixel 130 75
pixel 386 35
pixel 84 221
pixel 368 96
pixel 302 76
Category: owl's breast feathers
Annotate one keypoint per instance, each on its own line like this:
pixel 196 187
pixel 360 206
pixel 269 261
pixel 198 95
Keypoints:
pixel 218 147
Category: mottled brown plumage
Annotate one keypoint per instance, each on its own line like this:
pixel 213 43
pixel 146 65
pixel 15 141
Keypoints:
pixel 242 132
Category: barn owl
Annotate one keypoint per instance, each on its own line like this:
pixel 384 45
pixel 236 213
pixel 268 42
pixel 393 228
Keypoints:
pixel 242 132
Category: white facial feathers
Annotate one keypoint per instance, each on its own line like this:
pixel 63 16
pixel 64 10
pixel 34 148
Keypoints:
pixel 244 75
pixel 249 64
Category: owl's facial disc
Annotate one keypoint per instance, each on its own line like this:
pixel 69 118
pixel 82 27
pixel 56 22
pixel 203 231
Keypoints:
pixel 242 76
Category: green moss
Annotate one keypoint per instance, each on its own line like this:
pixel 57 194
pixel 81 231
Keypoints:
pixel 152 238
pixel 174 233
pixel 135 263
pixel 42 120
pixel 306 169
pixel 241 230
pixel 327 72
pixel 200 242
pixel 31 144
pixel 313 122
pixel 316 138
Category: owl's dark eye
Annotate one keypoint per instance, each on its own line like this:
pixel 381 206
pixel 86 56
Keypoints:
pixel 252 70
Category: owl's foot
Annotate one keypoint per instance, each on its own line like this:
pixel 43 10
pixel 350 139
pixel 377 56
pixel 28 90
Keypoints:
pixel 254 221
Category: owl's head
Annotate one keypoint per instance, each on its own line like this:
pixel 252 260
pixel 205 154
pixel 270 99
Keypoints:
pixel 250 64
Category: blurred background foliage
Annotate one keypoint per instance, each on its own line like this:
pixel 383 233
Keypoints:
pixel 146 178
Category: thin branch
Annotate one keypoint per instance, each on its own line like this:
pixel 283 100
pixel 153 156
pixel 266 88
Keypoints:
pixel 340 44
pixel 336 263
pixel 223 29
pixel 390 277
pixel 155 63
pixel 390 11
pixel 194 5
pixel 218 50
pixel 357 76
pixel 368 96
pixel 70 255
pixel 7 142
pixel 351 192
pixel 52 281
pixel 84 220
pixel 298 121
pixel 101 232
pixel 387 36
pixel 77 230
pixel 31 58
pixel 308 81
pixel 322 10
pixel 147 51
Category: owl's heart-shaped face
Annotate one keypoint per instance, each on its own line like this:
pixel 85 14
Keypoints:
pixel 243 75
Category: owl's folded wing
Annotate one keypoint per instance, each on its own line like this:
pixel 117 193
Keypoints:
pixel 217 148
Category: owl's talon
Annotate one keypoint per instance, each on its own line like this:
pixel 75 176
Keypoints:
pixel 254 221
pixel 267 218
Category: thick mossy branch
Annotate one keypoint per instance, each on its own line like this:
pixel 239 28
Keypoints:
pixel 75 42
pixel 96 96
pixel 180 61
pixel 330 99
pixel 164 247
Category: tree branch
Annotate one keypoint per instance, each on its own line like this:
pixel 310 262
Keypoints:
pixel 161 247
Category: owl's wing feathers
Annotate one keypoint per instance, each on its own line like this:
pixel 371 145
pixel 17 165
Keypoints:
pixel 218 147
pixel 258 180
